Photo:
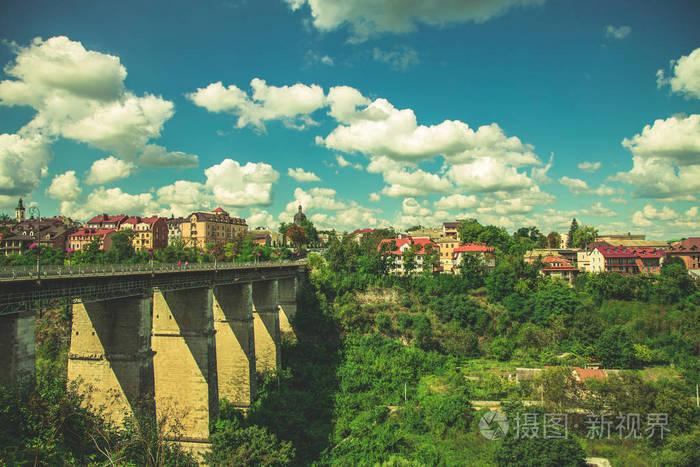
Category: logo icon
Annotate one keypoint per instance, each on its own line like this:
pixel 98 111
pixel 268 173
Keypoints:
pixel 493 425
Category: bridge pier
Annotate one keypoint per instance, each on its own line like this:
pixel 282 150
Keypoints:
pixel 287 288
pixel 17 347
pixel 110 354
pixel 267 325
pixel 235 343
pixel 184 364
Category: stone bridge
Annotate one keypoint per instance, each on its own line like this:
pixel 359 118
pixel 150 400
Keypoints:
pixel 187 335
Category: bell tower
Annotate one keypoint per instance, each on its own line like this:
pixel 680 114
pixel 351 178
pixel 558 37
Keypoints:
pixel 19 211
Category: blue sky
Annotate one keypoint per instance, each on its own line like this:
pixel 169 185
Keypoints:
pixel 516 112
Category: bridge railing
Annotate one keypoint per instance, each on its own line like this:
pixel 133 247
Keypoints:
pixel 24 272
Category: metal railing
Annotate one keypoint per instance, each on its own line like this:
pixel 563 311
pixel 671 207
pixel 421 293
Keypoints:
pixel 9 273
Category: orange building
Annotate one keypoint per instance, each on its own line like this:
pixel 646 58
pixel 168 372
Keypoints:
pixel 150 232
pixel 78 240
pixel 688 250
pixel 217 227
pixel 556 266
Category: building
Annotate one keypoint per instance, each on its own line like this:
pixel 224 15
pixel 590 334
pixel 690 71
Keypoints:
pixel 84 236
pixel 480 250
pixel 433 234
pixel 174 232
pixel 631 241
pixel 104 221
pixel 557 266
pixel 447 246
pixel 15 243
pixel 397 246
pixel 601 256
pixel 688 250
pixel 272 238
pixel 19 211
pixel 449 229
pixel 568 254
pixel 299 217
pixel 358 234
pixel 216 227
pixel 47 231
pixel 325 237
pixel 150 233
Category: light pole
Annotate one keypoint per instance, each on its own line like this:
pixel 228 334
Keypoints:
pixel 32 211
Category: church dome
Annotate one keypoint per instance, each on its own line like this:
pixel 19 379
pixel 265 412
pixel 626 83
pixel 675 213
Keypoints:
pixel 299 217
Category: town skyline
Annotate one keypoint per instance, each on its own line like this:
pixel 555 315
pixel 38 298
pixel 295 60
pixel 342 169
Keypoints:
pixel 527 113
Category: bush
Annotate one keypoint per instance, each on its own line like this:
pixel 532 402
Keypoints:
pixel 383 322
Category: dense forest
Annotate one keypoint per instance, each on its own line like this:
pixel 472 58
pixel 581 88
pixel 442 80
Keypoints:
pixel 388 370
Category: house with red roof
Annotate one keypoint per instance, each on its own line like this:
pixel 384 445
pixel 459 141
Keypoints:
pixel 688 250
pixel 480 250
pixel 557 266
pixel 398 246
pixel 105 221
pixel 82 237
pixel 602 256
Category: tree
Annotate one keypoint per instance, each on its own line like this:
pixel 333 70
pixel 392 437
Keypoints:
pixel 553 240
pixel 469 230
pixel 583 235
pixel 431 258
pixel 473 269
pixel 555 452
pixel 409 259
pixel 310 230
pixel 572 230
pixel 614 348
pixel 122 248
pixel 496 237
pixel 502 281
pixel 297 235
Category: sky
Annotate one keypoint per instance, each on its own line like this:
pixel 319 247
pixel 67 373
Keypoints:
pixel 368 113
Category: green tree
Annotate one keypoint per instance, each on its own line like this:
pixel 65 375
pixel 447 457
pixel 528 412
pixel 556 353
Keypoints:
pixel 469 230
pixel 409 260
pixel 583 235
pixel 553 240
pixel 297 235
pixel 614 348
pixel 501 281
pixel 572 230
pixel 527 452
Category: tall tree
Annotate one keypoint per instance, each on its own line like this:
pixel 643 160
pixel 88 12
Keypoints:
pixel 583 235
pixel 572 231
pixel 553 240
pixel 469 230
pixel 297 235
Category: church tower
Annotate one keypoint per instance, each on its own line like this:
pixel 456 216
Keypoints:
pixel 19 211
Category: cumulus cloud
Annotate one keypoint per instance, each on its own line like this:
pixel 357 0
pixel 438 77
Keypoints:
pixel 374 197
pixel 412 213
pixel 79 94
pixel 111 200
pixel 666 159
pixel 488 174
pixel 619 32
pixel 578 186
pixel 342 162
pixel 312 58
pixel 649 215
pixel 157 156
pixel 417 183
pixel 399 59
pixel 23 163
pixel 301 175
pixel 260 218
pixel 685 77
pixel 589 167
pixel 367 18
pixel 65 187
pixel 598 210
pixel 108 170
pixel 456 202
pixel 293 105
pixel 184 197
pixel 235 185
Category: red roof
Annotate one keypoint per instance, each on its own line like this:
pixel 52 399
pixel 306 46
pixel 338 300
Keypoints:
pixel 141 220
pixel 588 373
pixel 106 219
pixel 218 210
pixel 557 263
pixel 624 252
pixel 360 231
pixel 91 232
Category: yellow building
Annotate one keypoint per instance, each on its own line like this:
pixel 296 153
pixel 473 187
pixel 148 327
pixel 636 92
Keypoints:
pixel 447 246
pixel 216 226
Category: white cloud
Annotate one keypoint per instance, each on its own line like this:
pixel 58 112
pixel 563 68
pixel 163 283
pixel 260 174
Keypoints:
pixel 367 18
pixel 487 175
pixel 589 167
pixel 666 159
pixel 23 163
pixel 619 32
pixel 291 104
pixel 374 197
pixel 578 186
pixel 184 197
pixel 399 59
pixel 312 58
pixel 686 75
pixel 260 218
pixel 539 174
pixel 598 210
pixel 301 175
pixel 112 200
pixel 108 170
pixel 65 187
pixel 417 183
pixel 456 202
pixel 157 156
pixel 235 185
pixel 342 162
pixel 412 213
